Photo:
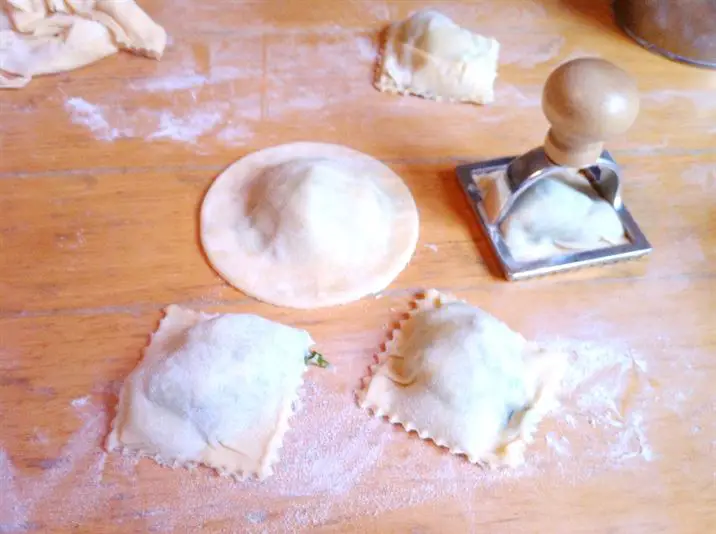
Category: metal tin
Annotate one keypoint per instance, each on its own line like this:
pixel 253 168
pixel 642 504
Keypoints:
pixel 683 31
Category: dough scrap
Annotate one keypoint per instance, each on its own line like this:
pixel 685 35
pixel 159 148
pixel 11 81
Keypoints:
pixel 557 215
pixel 215 390
pixel 39 37
pixel 463 379
pixel 308 225
pixel 428 55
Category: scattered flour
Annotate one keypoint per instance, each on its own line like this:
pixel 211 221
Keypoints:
pixel 379 10
pixel 336 447
pixel 213 94
pixel 341 56
pixel 169 83
pixel 150 124
pixel 367 50
pixel 338 461
pixel 73 241
pixel 654 148
pixel 309 101
pixel 191 80
pixel 431 246
pixel 80 401
pixel 256 518
pixel 92 116
pixel 63 492
pixel 518 97
pixel 560 444
pixel 606 390
pixel 186 127
pixel 195 103
pixel 581 53
pixel 700 99
pixel 513 15
pixel 238 134
pixel 528 54
pixel 701 176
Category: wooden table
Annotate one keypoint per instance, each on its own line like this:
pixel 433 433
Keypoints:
pixel 102 171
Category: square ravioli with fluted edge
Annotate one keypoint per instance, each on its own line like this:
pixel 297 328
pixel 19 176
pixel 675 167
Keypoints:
pixel 212 389
pixel 428 55
pixel 463 379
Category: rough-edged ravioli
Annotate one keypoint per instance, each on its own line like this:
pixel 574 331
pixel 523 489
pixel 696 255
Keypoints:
pixel 429 55
pixel 458 376
pixel 215 390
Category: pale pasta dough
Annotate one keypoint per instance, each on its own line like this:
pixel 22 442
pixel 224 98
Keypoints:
pixel 557 215
pixel 39 37
pixel 215 390
pixel 308 225
pixel 430 56
pixel 458 376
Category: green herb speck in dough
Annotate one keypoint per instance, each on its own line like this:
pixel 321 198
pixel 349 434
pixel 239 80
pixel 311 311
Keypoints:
pixel 317 359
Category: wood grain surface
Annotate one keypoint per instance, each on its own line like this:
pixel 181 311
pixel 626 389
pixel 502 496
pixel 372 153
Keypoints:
pixel 102 172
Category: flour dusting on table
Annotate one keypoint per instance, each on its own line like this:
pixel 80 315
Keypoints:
pixel 338 460
pixel 702 176
pixel 528 53
pixel 92 116
pixel 697 98
pixel 606 390
pixel 236 88
pixel 191 80
pixel 65 491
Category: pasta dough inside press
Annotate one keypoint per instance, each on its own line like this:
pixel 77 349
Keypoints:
pixel 215 390
pixel 557 215
pixel 458 376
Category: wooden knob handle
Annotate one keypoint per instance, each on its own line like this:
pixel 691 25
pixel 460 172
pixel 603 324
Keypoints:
pixel 586 101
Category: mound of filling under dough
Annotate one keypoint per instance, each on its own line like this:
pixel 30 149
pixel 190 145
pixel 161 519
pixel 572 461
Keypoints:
pixel 215 390
pixel 458 376
pixel 309 225
pixel 429 55
pixel 559 214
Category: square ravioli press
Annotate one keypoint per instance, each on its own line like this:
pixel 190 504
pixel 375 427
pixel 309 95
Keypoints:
pixel 586 101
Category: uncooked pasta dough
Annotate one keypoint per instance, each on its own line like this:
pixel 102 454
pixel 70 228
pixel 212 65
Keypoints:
pixel 308 225
pixel 38 37
pixel 557 215
pixel 430 56
pixel 215 390
pixel 460 377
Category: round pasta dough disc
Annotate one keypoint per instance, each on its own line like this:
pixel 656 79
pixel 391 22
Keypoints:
pixel 308 225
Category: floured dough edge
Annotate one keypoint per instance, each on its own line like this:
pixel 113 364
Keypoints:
pixel 510 455
pixel 385 84
pixel 291 406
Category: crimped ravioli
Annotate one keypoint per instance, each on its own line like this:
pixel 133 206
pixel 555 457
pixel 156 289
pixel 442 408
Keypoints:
pixel 429 55
pixel 458 376
pixel 215 390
